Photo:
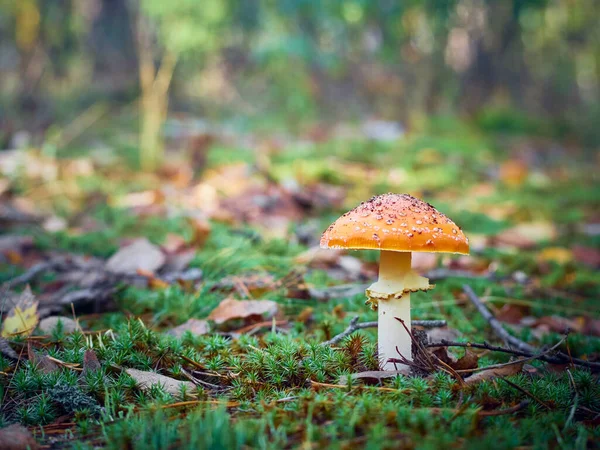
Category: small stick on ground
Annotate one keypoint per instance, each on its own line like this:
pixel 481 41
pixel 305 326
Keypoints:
pixel 519 345
pixel 526 392
pixel 495 324
pixel 501 412
pixel 30 274
pixel 354 325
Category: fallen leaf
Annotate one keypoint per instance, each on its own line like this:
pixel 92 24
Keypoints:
pixel 43 363
pixel 230 309
pixel 153 281
pixel 49 324
pixel 558 255
pixel 510 313
pixel 17 437
pixel 251 284
pixel 351 265
pixel 173 243
pixel 54 224
pixel 195 326
pixel 513 172
pixel 90 362
pixel 592 327
pixel 317 256
pixel 179 261
pixel 439 334
pixel 527 235
pixel 306 315
pixel 375 376
pixel 145 381
pixel 587 255
pixel 201 230
pixel 490 374
pixel 560 324
pixel 23 316
pixel 468 361
pixel 139 255
pixel 140 199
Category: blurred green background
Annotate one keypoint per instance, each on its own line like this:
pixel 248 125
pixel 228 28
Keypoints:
pixel 516 66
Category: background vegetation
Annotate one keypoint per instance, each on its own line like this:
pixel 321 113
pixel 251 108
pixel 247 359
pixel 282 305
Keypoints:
pixel 166 171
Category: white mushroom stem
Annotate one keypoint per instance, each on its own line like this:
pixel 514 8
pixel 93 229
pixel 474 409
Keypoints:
pixel 392 294
pixel 391 334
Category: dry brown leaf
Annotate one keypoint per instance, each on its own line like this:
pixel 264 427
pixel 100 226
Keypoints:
pixel 490 374
pixel 43 362
pixel 139 255
pixel 513 172
pixel 23 317
pixel 17 437
pixel 230 309
pixel 317 256
pixel 510 313
pixel 252 284
pixel 468 361
pixel 592 327
pixel 527 235
pixel 438 334
pixel 201 230
pixel 145 380
pixel 140 199
pixel 587 255
pixel 195 326
pixel 560 324
pixel 558 255
pixel 90 362
pixel 173 243
pixel 376 376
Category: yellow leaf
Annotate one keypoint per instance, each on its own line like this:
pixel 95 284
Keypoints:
pixel 558 255
pixel 23 316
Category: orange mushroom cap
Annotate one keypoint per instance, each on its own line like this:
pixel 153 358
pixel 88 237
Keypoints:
pixel 396 222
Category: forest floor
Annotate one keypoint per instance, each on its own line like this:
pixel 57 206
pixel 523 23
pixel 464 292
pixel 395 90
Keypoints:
pixel 194 302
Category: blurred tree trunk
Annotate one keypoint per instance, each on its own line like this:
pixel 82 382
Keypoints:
pixel 498 65
pixel 154 101
pixel 32 57
pixel 112 44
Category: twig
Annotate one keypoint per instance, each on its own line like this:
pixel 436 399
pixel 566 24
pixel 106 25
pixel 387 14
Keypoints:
pixel 519 361
pixel 495 324
pixel 526 392
pixel 523 347
pixel 501 412
pixel 354 325
pixel 29 275
pixel 484 346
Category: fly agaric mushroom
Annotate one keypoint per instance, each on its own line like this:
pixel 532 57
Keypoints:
pixel 396 224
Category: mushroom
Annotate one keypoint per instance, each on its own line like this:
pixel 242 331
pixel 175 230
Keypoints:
pixel 397 225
